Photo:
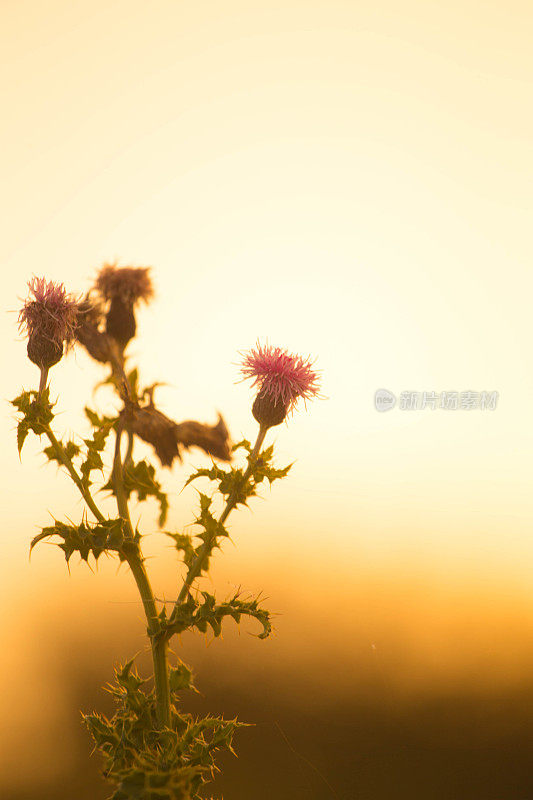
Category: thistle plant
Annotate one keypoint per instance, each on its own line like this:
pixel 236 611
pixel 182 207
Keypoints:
pixel 153 749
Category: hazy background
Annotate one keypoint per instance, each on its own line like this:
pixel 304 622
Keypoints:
pixel 352 181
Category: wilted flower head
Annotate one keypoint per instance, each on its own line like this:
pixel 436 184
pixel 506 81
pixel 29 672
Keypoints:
pixel 128 284
pixel 123 287
pixel 282 379
pixel 49 319
pixel 91 313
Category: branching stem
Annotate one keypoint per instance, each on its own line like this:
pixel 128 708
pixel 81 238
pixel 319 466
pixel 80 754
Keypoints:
pixel 136 562
pixel 205 551
pixel 67 462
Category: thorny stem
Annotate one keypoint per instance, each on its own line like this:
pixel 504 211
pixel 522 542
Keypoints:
pixel 136 563
pixel 159 643
pixel 67 462
pixel 205 551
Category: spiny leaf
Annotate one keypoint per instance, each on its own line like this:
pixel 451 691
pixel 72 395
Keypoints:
pixel 45 533
pixel 84 539
pixel 244 443
pixel 96 445
pixel 261 471
pixel 98 421
pixel 184 543
pixel 214 473
pixel 71 449
pixel 22 432
pixel 145 762
pixel 212 528
pixel 36 414
pixel 140 478
pixel 262 468
pixel 192 614
pixel 181 678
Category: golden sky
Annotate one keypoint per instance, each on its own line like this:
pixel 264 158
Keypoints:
pixel 349 180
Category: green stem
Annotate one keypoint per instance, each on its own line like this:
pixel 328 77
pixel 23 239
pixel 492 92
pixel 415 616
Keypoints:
pixel 198 564
pixel 128 458
pixel 136 563
pixel 118 483
pixel 67 462
pixel 159 643
pixel 43 380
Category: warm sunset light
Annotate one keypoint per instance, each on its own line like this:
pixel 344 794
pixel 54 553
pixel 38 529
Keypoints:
pixel 308 224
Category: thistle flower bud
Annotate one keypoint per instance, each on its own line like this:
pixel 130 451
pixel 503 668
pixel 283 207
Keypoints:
pixel 123 288
pixel 267 411
pixel 49 319
pixel 282 379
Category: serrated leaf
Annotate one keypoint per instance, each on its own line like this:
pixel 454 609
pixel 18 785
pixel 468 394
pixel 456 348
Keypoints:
pixel 84 539
pixel 181 678
pixel 39 538
pixel 71 450
pixel 262 468
pixel 213 473
pixel 192 614
pixel 244 443
pixel 183 542
pixel 22 432
pixel 140 478
pixel 96 444
pixel 36 414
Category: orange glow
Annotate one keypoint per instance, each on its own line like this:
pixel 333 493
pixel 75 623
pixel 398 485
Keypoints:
pixel 350 181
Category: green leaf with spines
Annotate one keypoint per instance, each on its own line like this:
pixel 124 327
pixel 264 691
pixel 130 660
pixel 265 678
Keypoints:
pixel 244 443
pixel 102 426
pixel 263 470
pixel 212 528
pixel 37 414
pixel 98 421
pixel 144 762
pixel 183 543
pixel 85 539
pixel 262 466
pixel 71 450
pixel 181 678
pixel 231 483
pixel 214 473
pixel 22 432
pixel 140 478
pixel 210 614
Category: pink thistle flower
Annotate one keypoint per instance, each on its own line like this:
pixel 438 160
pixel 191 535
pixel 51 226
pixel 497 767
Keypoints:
pixel 282 379
pixel 49 319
